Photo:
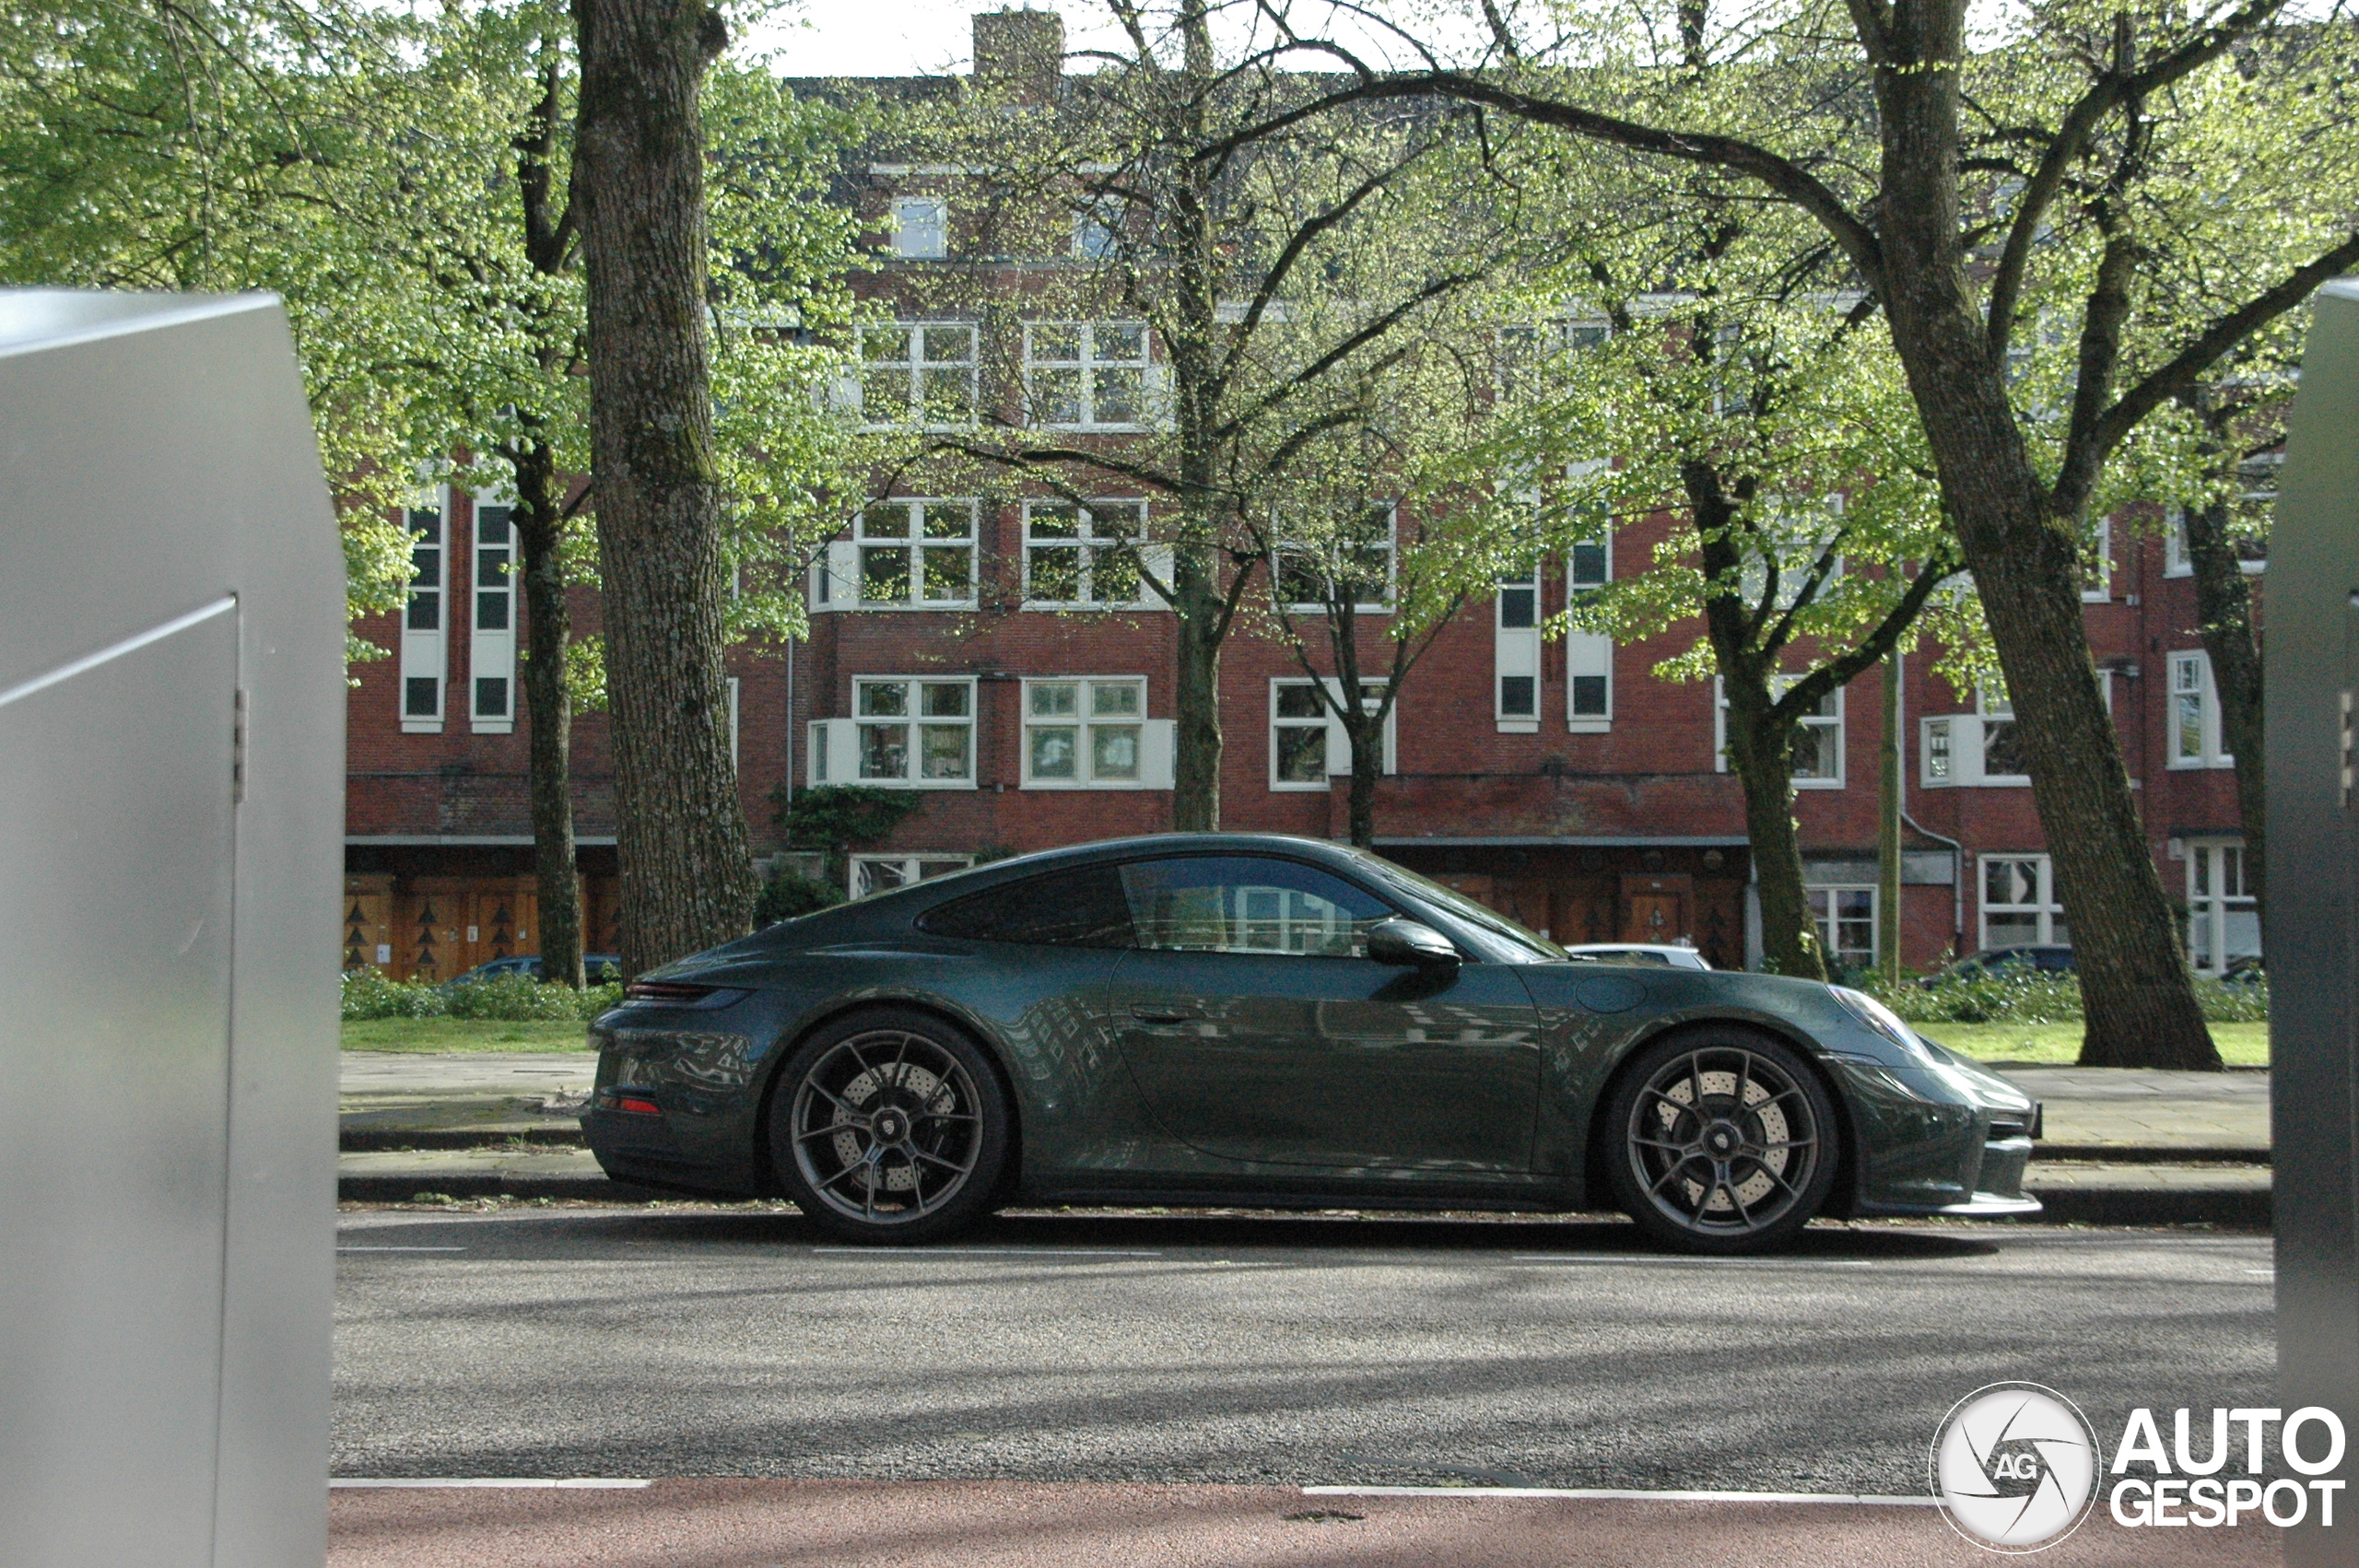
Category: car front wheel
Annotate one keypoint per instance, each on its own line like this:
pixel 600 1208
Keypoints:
pixel 889 1126
pixel 1726 1143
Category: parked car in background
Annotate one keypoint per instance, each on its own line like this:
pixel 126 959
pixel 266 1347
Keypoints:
pixel 1239 1019
pixel 2044 960
pixel 2248 971
pixel 596 967
pixel 1664 953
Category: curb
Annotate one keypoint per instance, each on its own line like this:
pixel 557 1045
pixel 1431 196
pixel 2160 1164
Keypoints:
pixel 378 1139
pixel 2148 1154
pixel 402 1188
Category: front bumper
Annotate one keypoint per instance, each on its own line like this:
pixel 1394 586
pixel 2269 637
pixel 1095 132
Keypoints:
pixel 1938 1141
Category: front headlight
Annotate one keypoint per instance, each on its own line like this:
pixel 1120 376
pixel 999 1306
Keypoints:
pixel 1878 1017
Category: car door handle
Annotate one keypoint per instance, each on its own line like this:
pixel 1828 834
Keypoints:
pixel 1165 1012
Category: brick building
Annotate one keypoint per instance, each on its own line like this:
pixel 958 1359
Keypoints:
pixel 975 649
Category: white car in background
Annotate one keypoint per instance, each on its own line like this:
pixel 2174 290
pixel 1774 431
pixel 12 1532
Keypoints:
pixel 1663 953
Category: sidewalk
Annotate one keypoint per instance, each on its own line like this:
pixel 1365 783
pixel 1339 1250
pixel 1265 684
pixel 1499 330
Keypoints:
pixel 2122 1146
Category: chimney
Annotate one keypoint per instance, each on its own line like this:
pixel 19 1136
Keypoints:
pixel 1021 54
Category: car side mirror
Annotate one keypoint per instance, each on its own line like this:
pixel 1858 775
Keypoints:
pixel 1411 944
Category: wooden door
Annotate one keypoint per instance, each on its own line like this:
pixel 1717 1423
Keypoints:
pixel 368 922
pixel 1654 918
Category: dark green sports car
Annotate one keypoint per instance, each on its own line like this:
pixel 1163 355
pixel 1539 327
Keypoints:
pixel 1240 1019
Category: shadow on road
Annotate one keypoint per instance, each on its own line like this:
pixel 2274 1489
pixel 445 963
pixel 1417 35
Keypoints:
pixel 1583 1235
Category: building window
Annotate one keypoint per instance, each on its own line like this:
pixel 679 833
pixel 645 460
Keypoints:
pixel 2096 568
pixel 1845 918
pixel 1516 653
pixel 915 555
pixel 1533 356
pixel 422 628
pixel 1080 556
pixel 915 733
pixel 491 652
pixel 1978 748
pixel 1588 656
pixel 1816 757
pixel 1308 744
pixel 1354 568
pixel 921 228
pixel 919 373
pixel 2019 907
pixel 2223 925
pixel 2249 522
pixel 1085 732
pixel 1097 231
pixel 2195 713
pixel 1085 375
pixel 882 873
pixel 2175 558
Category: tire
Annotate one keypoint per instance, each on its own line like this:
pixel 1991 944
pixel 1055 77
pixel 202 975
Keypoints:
pixel 1745 1176
pixel 889 1126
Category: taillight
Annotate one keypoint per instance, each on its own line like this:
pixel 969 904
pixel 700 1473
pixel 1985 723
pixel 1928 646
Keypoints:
pixel 634 1104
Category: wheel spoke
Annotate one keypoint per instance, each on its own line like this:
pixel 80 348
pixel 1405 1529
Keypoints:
pixel 830 1130
pixel 1686 1150
pixel 900 1076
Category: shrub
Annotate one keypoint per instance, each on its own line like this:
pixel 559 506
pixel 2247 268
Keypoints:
pixel 517 998
pixel 2030 997
pixel 369 994
pixel 786 895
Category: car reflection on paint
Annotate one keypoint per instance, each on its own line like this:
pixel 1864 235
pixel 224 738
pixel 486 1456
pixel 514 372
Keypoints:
pixel 1242 1019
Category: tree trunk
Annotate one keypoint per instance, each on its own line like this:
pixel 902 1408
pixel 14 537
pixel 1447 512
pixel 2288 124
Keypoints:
pixel 687 880
pixel 548 626
pixel 1891 779
pixel 1196 739
pixel 2224 609
pixel 1761 751
pixel 2140 998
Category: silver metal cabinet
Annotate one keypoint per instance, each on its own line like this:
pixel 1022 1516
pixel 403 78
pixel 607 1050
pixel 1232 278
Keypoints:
pixel 2313 678
pixel 170 799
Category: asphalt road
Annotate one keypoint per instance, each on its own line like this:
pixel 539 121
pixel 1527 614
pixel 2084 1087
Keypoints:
pixel 671 1343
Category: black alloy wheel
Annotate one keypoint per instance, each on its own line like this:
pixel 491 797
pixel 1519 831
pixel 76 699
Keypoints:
pixel 1725 1142
pixel 889 1126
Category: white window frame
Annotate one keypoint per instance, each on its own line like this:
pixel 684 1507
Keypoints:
pixel 1826 913
pixel 1588 655
pixel 914 722
pixel 918 364
pixel 840 581
pixel 1152 738
pixel 1339 742
pixel 1952 747
pixel 1086 369
pixel 2050 913
pixel 1821 721
pixel 491 652
pixel 1098 229
pixel 911 869
pixel 2194 707
pixel 2175 562
pixel 2097 588
pixel 1515 652
pixel 2209 906
pixel 424 650
pixel 1551 342
pixel 1391 547
pixel 1085 545
pixel 921 228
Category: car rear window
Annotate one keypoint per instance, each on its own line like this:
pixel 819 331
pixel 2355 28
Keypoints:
pixel 1082 907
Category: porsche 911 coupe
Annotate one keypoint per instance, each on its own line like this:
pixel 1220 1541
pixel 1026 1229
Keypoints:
pixel 1242 1019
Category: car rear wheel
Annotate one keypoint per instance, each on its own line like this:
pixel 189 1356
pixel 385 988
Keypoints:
pixel 889 1126
pixel 1727 1142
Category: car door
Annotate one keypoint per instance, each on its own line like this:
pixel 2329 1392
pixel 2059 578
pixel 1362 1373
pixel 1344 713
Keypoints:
pixel 1258 1030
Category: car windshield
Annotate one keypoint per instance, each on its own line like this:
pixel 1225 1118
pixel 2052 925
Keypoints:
pixel 1519 944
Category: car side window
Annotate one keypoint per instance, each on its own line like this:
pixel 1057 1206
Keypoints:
pixel 1257 904
pixel 1082 907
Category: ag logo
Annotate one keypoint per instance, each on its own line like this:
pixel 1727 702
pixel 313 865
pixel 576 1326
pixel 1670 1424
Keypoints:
pixel 2015 1467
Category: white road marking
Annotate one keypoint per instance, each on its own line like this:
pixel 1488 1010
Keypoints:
pixel 1851 1499
pixel 401 1249
pixel 571 1484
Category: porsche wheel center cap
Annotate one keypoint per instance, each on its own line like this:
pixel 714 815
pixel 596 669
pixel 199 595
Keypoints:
pixel 891 1127
pixel 1722 1139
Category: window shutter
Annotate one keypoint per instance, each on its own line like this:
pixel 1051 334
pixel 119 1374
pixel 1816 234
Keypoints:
pixel 1156 744
pixel 835 578
pixel 1157 560
pixel 832 751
